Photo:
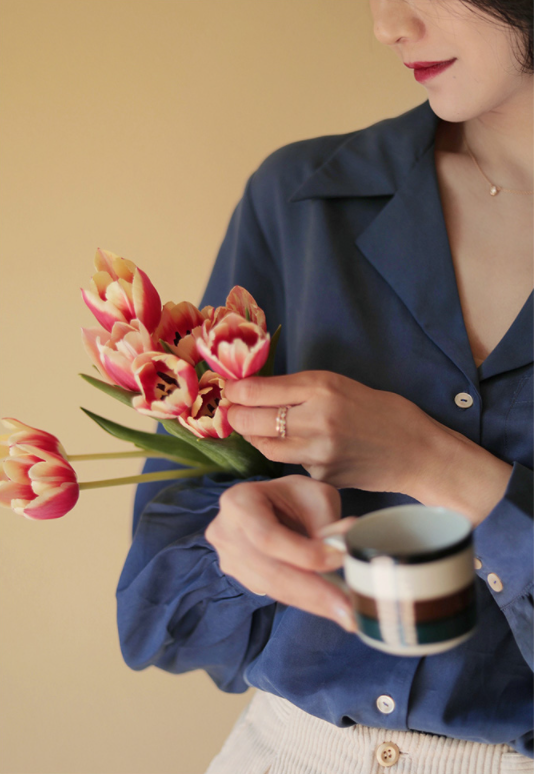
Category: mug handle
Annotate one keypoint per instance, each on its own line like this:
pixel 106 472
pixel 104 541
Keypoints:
pixel 337 541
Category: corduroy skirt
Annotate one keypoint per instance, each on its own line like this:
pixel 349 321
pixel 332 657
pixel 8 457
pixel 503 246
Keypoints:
pixel 272 736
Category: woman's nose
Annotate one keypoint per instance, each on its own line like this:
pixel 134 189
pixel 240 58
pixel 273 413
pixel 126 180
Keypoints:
pixel 395 21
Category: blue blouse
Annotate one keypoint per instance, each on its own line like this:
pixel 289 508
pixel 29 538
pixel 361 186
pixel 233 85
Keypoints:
pixel 342 240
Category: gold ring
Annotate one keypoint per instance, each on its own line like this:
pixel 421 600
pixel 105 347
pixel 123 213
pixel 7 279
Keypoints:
pixel 281 426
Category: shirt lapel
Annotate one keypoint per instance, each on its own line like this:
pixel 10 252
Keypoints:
pixel 516 348
pixel 407 242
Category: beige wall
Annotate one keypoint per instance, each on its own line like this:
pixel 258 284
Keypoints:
pixel 132 125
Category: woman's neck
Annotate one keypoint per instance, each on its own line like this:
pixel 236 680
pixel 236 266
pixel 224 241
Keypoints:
pixel 501 140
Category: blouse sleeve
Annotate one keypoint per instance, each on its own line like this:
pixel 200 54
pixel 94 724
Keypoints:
pixel 504 546
pixel 176 609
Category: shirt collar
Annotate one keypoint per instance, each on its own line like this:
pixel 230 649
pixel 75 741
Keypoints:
pixel 407 242
pixel 373 161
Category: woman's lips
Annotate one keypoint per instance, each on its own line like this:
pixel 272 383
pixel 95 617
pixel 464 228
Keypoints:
pixel 423 71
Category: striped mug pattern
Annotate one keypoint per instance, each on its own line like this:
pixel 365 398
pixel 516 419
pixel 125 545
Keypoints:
pixel 409 571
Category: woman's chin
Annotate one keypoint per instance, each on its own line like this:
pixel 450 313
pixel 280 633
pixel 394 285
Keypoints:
pixel 448 106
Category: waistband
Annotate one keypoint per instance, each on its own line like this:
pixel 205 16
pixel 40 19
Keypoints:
pixel 273 736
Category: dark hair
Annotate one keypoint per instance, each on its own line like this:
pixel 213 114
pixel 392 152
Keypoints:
pixel 517 14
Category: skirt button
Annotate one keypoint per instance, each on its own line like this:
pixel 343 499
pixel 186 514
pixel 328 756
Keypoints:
pixel 387 754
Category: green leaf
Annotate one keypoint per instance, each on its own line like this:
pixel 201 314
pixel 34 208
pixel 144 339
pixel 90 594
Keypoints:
pixel 218 455
pixel 232 454
pixel 184 453
pixel 246 459
pixel 201 369
pixel 125 396
pixel 166 347
pixel 268 368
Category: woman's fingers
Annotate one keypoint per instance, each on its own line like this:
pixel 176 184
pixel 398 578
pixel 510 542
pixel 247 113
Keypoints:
pixel 305 590
pixel 262 535
pixel 288 584
pixel 291 389
pixel 277 521
pixel 260 421
pixel 336 528
pixel 255 421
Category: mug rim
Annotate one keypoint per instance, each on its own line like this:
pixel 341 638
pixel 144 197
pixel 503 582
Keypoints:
pixel 365 554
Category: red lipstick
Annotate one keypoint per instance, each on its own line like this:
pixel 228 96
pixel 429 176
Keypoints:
pixel 425 70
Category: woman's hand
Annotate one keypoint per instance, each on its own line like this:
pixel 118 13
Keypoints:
pixel 267 537
pixel 339 430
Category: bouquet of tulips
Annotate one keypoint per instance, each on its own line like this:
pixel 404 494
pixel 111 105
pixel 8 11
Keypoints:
pixel 169 362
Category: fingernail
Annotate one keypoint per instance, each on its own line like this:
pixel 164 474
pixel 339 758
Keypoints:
pixel 330 529
pixel 345 619
pixel 334 559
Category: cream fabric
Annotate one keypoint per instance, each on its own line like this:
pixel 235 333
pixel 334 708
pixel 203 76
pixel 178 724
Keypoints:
pixel 272 736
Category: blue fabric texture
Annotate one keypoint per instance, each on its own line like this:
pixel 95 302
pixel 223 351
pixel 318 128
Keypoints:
pixel 342 240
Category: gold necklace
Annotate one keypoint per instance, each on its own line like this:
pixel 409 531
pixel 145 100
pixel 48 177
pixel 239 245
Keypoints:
pixel 495 189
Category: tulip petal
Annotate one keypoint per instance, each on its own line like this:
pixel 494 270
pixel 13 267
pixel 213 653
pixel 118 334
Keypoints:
pixel 146 301
pixel 202 428
pixel 17 470
pixel 51 471
pixel 169 385
pixel 119 294
pixel 104 261
pixel 118 368
pixel 104 311
pixel 90 340
pixel 220 420
pixel 18 426
pixel 123 268
pixel 241 301
pixel 9 490
pixel 53 503
pixel 187 350
pixel 213 361
pixel 257 358
pixel 100 283
pixel 114 356
pixel 40 453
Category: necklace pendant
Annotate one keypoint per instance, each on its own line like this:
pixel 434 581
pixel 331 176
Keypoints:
pixel 494 190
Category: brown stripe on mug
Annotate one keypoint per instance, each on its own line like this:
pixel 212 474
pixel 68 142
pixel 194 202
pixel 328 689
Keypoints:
pixel 425 610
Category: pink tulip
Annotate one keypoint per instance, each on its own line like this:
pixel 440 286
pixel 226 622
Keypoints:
pixel 241 302
pixel 234 348
pixel 26 434
pixel 114 355
pixel 178 327
pixel 169 385
pixel 121 292
pixel 38 482
pixel 208 417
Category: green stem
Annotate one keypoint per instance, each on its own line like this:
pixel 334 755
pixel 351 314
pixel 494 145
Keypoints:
pixel 160 475
pixel 116 456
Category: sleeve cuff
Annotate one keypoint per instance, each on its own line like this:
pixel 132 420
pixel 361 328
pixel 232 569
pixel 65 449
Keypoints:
pixel 258 600
pixel 503 541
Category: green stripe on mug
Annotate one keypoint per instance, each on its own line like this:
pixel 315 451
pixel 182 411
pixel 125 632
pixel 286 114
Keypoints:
pixel 427 632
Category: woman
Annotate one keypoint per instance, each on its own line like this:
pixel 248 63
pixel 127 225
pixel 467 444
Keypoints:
pixel 399 261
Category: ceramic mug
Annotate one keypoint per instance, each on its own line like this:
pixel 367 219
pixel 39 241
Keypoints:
pixel 409 571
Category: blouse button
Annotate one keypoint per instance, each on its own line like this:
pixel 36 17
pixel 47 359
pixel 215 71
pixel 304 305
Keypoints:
pixel 385 704
pixel 387 754
pixel 463 400
pixel 478 563
pixel 495 582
